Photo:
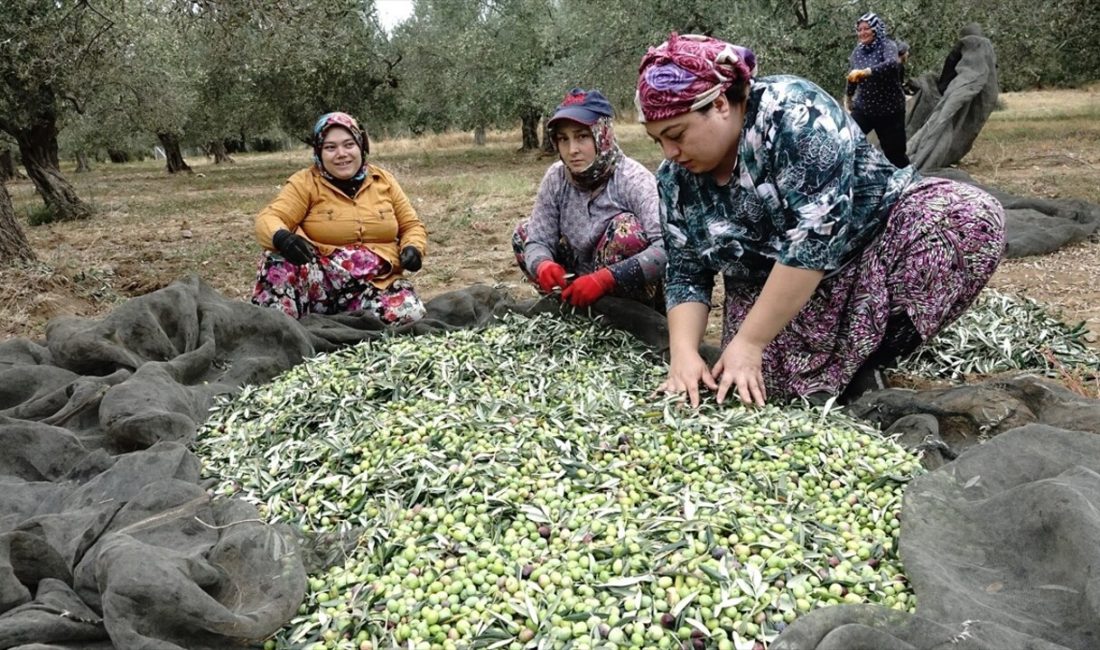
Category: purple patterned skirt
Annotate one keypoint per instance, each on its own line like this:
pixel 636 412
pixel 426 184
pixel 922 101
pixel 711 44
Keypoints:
pixel 335 284
pixel 942 242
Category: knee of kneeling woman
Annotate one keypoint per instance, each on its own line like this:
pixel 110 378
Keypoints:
pixel 624 223
pixel 624 237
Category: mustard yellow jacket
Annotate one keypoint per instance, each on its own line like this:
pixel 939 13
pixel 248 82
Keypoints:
pixel 380 217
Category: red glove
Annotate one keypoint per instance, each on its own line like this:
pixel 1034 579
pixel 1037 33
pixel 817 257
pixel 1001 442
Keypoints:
pixel 587 289
pixel 551 274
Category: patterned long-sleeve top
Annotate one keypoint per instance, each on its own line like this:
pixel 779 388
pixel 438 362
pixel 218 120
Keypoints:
pixel 808 191
pixel 563 210
pixel 881 93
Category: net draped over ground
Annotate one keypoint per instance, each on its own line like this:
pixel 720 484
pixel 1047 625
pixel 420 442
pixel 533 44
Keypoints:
pixel 1035 226
pixel 108 539
pixel 941 129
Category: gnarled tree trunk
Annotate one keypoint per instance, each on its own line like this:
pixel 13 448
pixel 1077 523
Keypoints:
pixel 7 166
pixel 172 153
pixel 14 246
pixel 220 152
pixel 479 136
pixel 529 127
pixel 38 149
pixel 548 145
pixel 82 163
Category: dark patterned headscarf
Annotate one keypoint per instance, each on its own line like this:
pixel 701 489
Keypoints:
pixel 688 72
pixel 326 122
pixel 608 155
pixel 875 23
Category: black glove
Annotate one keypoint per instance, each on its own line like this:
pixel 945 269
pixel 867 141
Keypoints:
pixel 410 259
pixel 294 248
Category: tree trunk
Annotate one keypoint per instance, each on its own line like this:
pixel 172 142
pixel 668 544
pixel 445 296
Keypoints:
pixel 218 150
pixel 479 136
pixel 172 153
pixel 548 145
pixel 82 163
pixel 118 155
pixel 38 149
pixel 7 166
pixel 530 129
pixel 14 246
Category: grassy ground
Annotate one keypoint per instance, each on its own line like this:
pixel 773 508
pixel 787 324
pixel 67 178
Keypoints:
pixel 152 228
pixel 1047 144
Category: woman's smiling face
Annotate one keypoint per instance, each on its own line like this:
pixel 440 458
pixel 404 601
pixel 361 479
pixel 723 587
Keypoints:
pixel 340 154
pixel 865 33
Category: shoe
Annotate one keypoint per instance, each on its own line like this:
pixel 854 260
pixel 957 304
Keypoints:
pixel 818 398
pixel 866 380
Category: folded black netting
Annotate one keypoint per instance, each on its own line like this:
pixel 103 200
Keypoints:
pixel 108 539
pixel 942 129
pixel 1035 226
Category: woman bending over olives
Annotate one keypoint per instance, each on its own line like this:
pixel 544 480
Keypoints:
pixel 835 262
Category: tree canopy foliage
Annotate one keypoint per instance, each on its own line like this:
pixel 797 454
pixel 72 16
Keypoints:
pixel 127 73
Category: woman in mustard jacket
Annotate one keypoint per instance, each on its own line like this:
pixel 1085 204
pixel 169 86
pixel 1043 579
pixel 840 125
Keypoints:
pixel 340 235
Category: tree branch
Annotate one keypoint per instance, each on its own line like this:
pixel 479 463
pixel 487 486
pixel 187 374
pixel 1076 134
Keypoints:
pixel 95 37
pixel 803 13
pixel 76 104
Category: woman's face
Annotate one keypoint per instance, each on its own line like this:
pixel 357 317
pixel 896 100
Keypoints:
pixel 702 141
pixel 340 153
pixel 865 33
pixel 576 146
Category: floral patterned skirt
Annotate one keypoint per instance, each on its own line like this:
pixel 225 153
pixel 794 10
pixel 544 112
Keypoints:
pixel 334 284
pixel 942 242
pixel 624 238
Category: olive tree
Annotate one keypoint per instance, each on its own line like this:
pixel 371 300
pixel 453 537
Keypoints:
pixel 310 57
pixel 478 63
pixel 14 246
pixel 442 70
pixel 49 51
pixel 148 86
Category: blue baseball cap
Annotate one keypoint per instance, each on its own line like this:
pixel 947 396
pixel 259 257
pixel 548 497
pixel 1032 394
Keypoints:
pixel 584 106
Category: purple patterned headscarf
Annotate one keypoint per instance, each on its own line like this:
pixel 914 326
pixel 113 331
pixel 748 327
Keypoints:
pixel 343 120
pixel 688 72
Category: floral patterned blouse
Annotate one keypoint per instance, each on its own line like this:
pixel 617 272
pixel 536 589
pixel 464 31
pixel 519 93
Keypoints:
pixel 808 191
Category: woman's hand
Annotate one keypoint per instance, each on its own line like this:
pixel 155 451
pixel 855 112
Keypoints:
pixel 856 76
pixel 295 249
pixel 685 371
pixel 410 259
pixel 740 367
pixel 550 274
pixel 785 292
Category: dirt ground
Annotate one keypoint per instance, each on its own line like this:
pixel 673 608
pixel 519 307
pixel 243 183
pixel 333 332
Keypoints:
pixel 152 229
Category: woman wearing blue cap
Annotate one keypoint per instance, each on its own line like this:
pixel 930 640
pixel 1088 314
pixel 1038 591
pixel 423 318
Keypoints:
pixel 595 228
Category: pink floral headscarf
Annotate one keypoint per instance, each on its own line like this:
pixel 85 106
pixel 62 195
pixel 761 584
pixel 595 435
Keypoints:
pixel 688 72
pixel 326 122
